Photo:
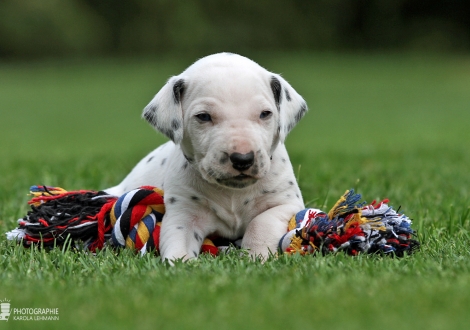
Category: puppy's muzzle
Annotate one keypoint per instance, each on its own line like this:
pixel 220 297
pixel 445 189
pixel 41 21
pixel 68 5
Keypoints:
pixel 242 162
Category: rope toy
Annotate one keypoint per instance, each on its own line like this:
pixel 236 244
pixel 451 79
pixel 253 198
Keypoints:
pixel 95 219
pixel 136 219
pixel 352 227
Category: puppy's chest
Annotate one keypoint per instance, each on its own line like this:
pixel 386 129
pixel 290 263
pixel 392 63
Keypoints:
pixel 232 215
pixel 238 207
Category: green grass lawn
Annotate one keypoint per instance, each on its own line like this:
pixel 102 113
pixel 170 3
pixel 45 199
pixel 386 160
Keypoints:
pixel 390 126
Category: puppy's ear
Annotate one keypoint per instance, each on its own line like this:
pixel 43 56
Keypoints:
pixel 289 103
pixel 164 112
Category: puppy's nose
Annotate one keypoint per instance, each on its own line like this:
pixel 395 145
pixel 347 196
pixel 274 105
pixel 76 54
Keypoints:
pixel 242 162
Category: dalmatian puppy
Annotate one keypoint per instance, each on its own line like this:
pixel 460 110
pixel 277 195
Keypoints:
pixel 226 171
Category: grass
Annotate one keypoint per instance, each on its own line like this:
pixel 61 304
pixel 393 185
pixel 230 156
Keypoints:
pixel 391 126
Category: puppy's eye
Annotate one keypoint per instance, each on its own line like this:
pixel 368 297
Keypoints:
pixel 265 114
pixel 204 117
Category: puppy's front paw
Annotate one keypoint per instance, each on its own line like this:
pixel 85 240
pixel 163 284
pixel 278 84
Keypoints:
pixel 261 254
pixel 171 255
pixel 179 244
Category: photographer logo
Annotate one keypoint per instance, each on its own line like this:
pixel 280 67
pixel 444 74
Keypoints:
pixel 26 314
pixel 4 310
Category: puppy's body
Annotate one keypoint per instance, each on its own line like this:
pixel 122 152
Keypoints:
pixel 227 171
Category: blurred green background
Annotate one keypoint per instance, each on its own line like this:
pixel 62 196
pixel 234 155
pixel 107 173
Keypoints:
pixel 75 74
pixel 79 28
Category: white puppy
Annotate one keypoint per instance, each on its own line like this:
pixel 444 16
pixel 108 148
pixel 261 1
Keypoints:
pixel 226 171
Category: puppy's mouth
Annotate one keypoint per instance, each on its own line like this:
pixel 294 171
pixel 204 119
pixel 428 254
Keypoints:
pixel 242 176
pixel 239 181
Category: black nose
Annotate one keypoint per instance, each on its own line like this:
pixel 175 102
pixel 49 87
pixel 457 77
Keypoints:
pixel 242 162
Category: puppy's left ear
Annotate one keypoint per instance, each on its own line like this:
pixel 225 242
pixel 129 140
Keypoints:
pixel 164 112
pixel 291 106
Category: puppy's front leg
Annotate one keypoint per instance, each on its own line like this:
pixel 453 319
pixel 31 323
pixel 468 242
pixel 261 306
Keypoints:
pixel 265 230
pixel 180 236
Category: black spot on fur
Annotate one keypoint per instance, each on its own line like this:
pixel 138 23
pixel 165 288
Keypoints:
pixel 180 227
pixel 291 183
pixel 290 126
pixel 246 202
pixel 172 200
pixel 301 112
pixel 185 165
pixel 264 191
pixel 288 195
pixel 150 115
pixel 178 89
pixel 175 124
pixel 277 89
pixel 297 195
pixel 197 237
pixel 255 170
pixel 194 198
pixel 150 158
pixel 287 95
pixel 190 160
pixel 195 253
pixel 224 159
pixel 283 160
pixel 163 161
pixel 168 133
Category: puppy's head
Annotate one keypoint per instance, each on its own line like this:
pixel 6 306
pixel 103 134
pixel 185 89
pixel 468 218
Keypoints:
pixel 228 115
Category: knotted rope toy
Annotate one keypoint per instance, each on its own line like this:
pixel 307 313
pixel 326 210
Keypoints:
pixel 95 219
pixel 352 227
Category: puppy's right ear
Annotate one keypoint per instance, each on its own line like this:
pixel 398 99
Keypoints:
pixel 164 112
